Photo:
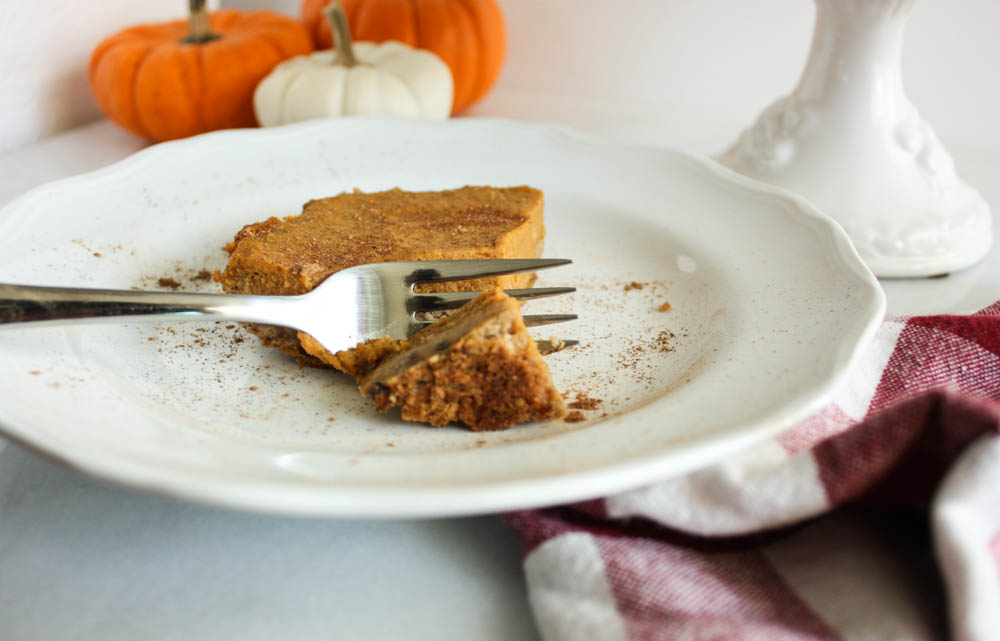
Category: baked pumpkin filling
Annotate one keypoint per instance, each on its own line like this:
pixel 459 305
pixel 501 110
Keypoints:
pixel 292 255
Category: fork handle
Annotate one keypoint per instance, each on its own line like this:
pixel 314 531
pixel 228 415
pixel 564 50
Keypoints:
pixel 53 305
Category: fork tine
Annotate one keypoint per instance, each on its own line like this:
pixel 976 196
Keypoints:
pixel 534 320
pixel 454 300
pixel 530 320
pixel 439 271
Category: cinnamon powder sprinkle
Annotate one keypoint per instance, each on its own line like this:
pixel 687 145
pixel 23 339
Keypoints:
pixel 665 307
pixel 634 285
pixel 584 402
pixel 575 416
pixel 169 283
pixel 664 341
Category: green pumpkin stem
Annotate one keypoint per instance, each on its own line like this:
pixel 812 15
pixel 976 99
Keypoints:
pixel 199 25
pixel 341 34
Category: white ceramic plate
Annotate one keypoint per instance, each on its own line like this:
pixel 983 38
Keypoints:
pixel 769 305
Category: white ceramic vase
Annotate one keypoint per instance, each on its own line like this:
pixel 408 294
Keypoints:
pixel 849 140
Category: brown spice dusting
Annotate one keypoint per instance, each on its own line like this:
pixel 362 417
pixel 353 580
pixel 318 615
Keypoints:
pixel 638 357
pixel 169 283
pixel 98 255
pixel 585 402
pixel 664 341
pixel 180 275
pixel 481 442
pixel 254 388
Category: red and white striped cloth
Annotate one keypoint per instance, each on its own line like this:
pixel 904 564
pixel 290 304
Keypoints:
pixel 878 518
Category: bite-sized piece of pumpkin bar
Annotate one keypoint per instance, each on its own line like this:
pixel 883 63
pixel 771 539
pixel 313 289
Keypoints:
pixel 295 254
pixel 478 366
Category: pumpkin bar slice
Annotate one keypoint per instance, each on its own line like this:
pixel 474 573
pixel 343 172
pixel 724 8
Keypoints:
pixel 295 254
pixel 478 366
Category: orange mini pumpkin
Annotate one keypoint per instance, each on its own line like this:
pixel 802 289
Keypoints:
pixel 469 35
pixel 176 79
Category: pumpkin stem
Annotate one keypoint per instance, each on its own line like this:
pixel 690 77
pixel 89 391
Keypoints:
pixel 199 27
pixel 341 34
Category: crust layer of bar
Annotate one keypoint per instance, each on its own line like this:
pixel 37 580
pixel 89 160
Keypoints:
pixel 292 255
pixel 478 367
pixel 358 361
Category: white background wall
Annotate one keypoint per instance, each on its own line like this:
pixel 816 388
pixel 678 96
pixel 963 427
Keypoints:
pixel 45 46
pixel 704 66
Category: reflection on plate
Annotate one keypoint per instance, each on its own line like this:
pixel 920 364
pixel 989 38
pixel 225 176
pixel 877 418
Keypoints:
pixel 714 312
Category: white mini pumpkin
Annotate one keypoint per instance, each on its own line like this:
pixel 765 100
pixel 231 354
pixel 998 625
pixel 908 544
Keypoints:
pixel 355 79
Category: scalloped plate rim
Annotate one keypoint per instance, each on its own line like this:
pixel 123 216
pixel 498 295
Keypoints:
pixel 410 502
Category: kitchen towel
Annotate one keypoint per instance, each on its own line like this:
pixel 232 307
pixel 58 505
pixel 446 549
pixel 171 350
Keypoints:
pixel 877 518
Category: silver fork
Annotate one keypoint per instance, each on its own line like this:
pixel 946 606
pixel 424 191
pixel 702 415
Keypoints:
pixel 349 307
